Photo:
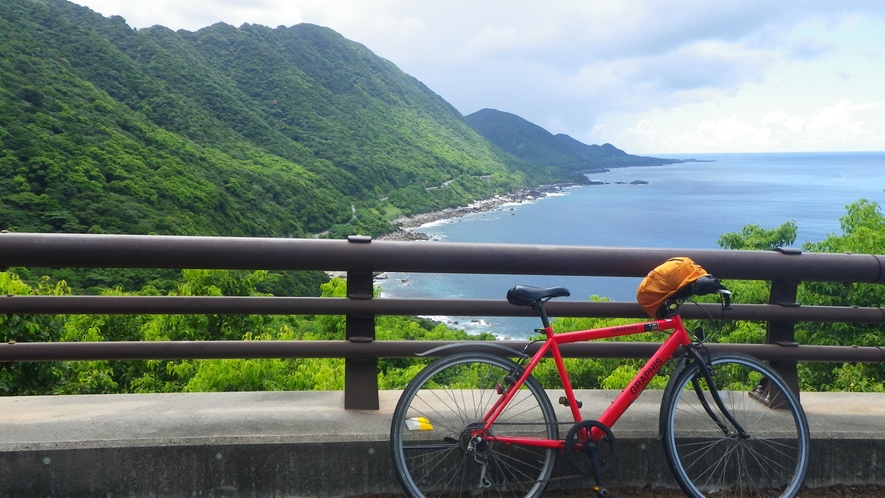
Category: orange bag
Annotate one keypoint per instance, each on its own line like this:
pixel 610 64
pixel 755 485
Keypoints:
pixel 664 281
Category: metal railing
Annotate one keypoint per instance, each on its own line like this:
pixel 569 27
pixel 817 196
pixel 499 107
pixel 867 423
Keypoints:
pixel 361 257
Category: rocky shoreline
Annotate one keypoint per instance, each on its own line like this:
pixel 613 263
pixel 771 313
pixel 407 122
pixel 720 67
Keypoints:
pixel 407 225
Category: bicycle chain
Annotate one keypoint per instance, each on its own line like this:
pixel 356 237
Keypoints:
pixel 535 481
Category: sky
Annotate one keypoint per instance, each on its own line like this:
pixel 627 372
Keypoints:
pixel 648 76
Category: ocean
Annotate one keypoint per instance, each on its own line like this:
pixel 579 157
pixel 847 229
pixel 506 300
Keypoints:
pixel 686 205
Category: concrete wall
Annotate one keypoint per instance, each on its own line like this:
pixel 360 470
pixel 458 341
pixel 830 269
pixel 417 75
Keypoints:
pixel 305 444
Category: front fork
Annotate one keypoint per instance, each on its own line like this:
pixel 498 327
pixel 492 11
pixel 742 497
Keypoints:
pixel 706 370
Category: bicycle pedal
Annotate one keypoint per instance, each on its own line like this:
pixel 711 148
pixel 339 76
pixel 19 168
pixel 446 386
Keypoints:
pixel 564 402
pixel 602 492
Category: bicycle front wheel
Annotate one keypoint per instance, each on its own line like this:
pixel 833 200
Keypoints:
pixel 437 441
pixel 764 454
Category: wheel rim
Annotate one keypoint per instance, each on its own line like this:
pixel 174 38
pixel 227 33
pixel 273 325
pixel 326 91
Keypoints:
pixel 707 460
pixel 453 395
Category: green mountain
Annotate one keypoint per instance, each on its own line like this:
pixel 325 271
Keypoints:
pixel 609 156
pixel 246 131
pixel 538 146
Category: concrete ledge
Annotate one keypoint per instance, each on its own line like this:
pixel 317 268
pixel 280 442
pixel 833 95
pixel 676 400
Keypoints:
pixel 306 444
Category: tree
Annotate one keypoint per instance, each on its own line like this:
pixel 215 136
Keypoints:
pixel 863 231
pixel 24 378
pixel 754 237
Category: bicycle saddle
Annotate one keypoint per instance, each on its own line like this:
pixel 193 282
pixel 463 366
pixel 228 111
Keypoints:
pixel 524 295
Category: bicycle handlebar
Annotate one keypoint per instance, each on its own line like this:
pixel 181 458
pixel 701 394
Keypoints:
pixel 705 285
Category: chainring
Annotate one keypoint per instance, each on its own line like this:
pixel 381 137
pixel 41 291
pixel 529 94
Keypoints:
pixel 578 447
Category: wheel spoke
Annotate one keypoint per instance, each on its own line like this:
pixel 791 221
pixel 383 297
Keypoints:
pixel 445 457
pixel 704 459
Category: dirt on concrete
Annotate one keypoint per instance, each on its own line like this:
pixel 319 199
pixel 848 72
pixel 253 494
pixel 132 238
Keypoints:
pixel 838 491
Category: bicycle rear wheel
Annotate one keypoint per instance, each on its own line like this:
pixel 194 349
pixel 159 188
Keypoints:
pixel 433 432
pixel 769 459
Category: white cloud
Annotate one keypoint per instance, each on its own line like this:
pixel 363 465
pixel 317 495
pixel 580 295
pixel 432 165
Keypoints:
pixel 728 132
pixel 837 124
pixel 714 69
pixel 644 131
pixel 835 127
pixel 783 129
pixel 495 40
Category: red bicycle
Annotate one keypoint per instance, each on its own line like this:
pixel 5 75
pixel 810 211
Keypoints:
pixel 479 424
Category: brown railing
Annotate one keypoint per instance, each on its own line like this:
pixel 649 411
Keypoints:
pixel 361 257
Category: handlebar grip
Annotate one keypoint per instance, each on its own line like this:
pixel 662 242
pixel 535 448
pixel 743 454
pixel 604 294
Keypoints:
pixel 707 285
pixel 704 285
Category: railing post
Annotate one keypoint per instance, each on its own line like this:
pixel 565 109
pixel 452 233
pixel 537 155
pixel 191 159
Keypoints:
pixel 783 293
pixel 360 374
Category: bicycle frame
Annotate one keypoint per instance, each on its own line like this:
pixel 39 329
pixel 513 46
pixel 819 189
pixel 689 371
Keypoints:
pixel 679 338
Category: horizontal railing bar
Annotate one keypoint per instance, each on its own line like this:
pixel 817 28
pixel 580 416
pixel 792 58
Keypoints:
pixel 155 251
pixel 227 305
pixel 174 350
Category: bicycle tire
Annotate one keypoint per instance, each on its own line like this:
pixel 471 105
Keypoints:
pixel 771 460
pixel 453 394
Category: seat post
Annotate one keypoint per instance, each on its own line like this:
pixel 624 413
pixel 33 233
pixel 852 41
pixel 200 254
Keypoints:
pixel 544 320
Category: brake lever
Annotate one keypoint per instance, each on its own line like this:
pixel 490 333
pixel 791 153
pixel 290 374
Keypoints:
pixel 726 298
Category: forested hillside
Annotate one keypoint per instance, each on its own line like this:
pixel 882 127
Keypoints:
pixel 236 131
pixel 538 146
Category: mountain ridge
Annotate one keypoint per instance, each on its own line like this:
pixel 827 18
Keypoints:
pixel 535 144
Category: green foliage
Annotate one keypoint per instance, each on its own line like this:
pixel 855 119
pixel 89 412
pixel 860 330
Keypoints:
pixel 754 237
pixel 98 377
pixel 277 374
pixel 32 377
pixel 863 231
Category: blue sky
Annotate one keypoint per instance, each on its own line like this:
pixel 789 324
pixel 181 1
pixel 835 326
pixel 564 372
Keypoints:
pixel 647 76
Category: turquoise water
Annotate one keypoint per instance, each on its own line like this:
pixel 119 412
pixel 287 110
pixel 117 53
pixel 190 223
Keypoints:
pixel 687 205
